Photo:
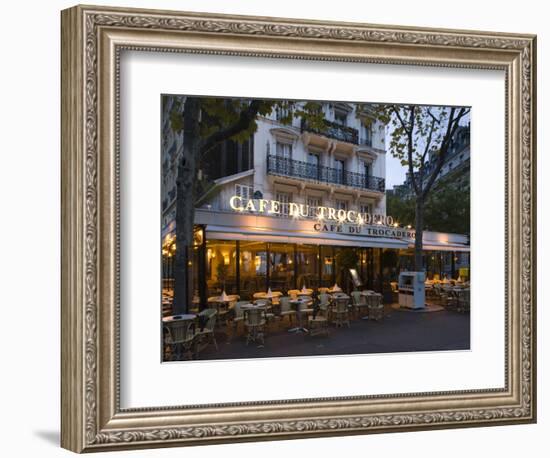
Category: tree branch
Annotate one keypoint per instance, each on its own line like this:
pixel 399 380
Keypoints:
pixel 245 118
pixel 410 151
pixel 429 141
pixel 396 111
pixel 452 127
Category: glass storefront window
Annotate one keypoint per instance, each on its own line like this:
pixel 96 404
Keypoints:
pixel 221 267
pixel 248 267
pixel 281 272
pixel 307 266
pixel 327 266
pixel 252 268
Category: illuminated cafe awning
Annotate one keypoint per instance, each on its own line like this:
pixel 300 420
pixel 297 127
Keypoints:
pixel 442 246
pixel 279 236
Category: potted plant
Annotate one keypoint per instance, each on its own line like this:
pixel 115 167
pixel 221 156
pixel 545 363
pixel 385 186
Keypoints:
pixel 222 271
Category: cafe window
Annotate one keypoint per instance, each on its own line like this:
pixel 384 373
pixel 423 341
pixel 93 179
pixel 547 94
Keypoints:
pixel 327 266
pixel 366 131
pixel 365 208
pixel 244 191
pixel 340 166
pixel 284 150
pixel 313 203
pixel 281 266
pixel 366 168
pixel 341 205
pixel 284 198
pixel 252 268
pixel 307 268
pixel 221 267
pixel 313 169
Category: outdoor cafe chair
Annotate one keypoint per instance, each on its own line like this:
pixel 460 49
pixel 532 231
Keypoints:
pixel 286 310
pixel 306 307
pixel 255 322
pixel 359 302
pixel 324 299
pixel 206 335
pixel 318 324
pixel 238 315
pixel 179 337
pixel 341 311
pixel 375 306
pixel 463 300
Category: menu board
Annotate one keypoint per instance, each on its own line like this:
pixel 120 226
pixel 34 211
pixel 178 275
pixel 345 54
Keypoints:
pixel 355 278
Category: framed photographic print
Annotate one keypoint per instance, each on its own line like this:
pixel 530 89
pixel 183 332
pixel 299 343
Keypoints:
pixel 279 228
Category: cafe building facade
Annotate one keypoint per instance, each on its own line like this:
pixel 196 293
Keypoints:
pixel 299 207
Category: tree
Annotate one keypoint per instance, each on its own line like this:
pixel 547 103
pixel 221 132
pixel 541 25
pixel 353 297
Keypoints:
pixel 418 135
pixel 206 122
pixel 447 208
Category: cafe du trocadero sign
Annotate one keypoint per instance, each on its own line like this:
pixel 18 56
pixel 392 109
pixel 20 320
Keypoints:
pixel 326 219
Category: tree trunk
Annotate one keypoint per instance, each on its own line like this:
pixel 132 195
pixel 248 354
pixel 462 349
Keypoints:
pixel 185 206
pixel 419 228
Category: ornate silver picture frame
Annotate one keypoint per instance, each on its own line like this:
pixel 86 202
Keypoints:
pixel 93 39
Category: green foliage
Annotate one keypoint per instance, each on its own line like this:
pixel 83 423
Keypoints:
pixel 447 208
pixel 402 209
pixel 347 258
pixel 218 113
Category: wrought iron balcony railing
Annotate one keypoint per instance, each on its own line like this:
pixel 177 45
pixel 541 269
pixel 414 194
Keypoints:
pixel 277 165
pixel 334 130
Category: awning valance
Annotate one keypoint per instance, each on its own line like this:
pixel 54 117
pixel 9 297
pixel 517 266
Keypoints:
pixel 260 235
pixel 442 246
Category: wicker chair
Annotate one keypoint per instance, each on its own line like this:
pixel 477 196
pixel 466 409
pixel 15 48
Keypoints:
pixel 359 303
pixel 255 322
pixel 325 300
pixel 375 306
pixel 179 337
pixel 318 324
pixel 341 311
pixel 463 297
pixel 286 310
pixel 237 316
pixel 207 335
pixel 305 309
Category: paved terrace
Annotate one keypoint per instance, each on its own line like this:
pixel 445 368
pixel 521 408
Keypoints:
pixel 399 331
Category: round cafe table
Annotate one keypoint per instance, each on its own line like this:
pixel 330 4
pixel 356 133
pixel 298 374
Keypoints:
pixel 181 317
pixel 273 297
pixel 252 306
pixel 335 291
pixel 296 303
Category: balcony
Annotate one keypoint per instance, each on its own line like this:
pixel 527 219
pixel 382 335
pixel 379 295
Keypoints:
pixel 334 130
pixel 291 168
